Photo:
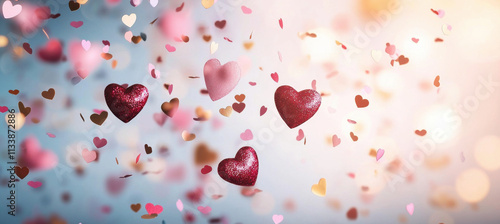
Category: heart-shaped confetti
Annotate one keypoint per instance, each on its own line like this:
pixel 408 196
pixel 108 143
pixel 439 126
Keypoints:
pixel 421 132
pixel 153 209
pixel 27 48
pixel 129 20
pixel 206 169
pixel 380 153
pixel 76 24
pixel 280 21
pixel 213 47
pixel 220 80
pixel 246 135
pixel 99 142
pixel 360 102
pixel 277 219
pixel 238 107
pixel 170 48
pixel 10 11
pixel 319 189
pixel 3 109
pixel 207 3
pixel 436 81
pixel 34 184
pixel 220 24
pixel 410 208
pixel 335 140
pixel 179 205
pixel 300 135
pixel 390 49
pixel 263 110
pixel 169 108
pixel 99 118
pixel 135 207
pixel 21 172
pixel 89 156
pixel 51 52
pixel 203 155
pixel 353 136
pixel 226 112
pixel 14 92
pixel 125 104
pixel 275 77
pixel 242 170
pixel 49 94
pixel 205 210
pixel 296 107
pixel 415 40
pixel 188 136
pixel 246 10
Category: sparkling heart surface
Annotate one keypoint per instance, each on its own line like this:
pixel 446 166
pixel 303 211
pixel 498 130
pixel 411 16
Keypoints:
pixel 125 104
pixel 296 107
pixel 220 80
pixel 242 170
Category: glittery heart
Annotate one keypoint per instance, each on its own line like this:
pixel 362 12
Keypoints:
pixel 125 104
pixel 220 80
pixel 242 170
pixel 296 107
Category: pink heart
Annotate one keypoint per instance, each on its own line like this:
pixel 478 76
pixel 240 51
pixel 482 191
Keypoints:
pixel 100 142
pixel 128 36
pixel 313 84
pixel 170 48
pixel 277 219
pixel 390 49
pixel 335 140
pixel 89 156
pixel 441 13
pixel 281 23
pixel 300 136
pixel 205 210
pixel 160 118
pixel 170 88
pixel 179 205
pixel 84 61
pixel 86 45
pixel 3 109
pixel 174 24
pixel 33 157
pixel 275 77
pixel 153 209
pixel 182 119
pixel 415 40
pixel 10 11
pixel 105 49
pixel 51 135
pixel 35 184
pixel 246 135
pixel 246 10
pixel 76 24
pixel 220 80
pixel 263 110
pixel 380 153
pixel 410 208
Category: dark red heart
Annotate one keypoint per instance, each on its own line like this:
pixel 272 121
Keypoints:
pixel 220 24
pixel 238 107
pixel 242 170
pixel 51 52
pixel 296 107
pixel 126 103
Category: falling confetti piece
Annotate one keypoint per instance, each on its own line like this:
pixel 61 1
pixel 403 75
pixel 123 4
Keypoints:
pixel 51 135
pixel 204 210
pixel 226 112
pixel 421 132
pixel 170 48
pixel 179 204
pixel 246 10
pixel 206 169
pixel 129 20
pixel 207 3
pixel 277 219
pixel 300 136
pixel 275 77
pixel 351 121
pixel 263 110
pixel 319 189
pixel 335 140
pixel 34 184
pixel 436 81
pixel 137 158
pixel 188 136
pixel 246 135
pixel 410 208
pixel 281 23
pixel 380 153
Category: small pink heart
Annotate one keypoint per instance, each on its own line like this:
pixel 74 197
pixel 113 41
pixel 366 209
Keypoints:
pixel 153 209
pixel 34 157
pixel 160 118
pixel 300 136
pixel 221 79
pixel 380 153
pixel 352 121
pixel 390 49
pixel 246 135
pixel 313 84
pixel 277 219
pixel 100 142
pixel 263 110
pixel 105 49
pixel 51 135
pixel 410 208
pixel 170 88
pixel 128 36
pixel 35 184
pixel 205 210
pixel 89 156
pixel 275 77
pixel 351 175
pixel 180 205
pixel 441 13
pixel 415 40
pixel 246 10
pixel 3 109
pixel 76 24
pixel 335 140
pixel 281 23
pixel 170 48
pixel 206 169
pixel 86 45
pixel 10 11
pixel 252 83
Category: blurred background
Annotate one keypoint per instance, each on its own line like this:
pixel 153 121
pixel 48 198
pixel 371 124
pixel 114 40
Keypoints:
pixel 423 65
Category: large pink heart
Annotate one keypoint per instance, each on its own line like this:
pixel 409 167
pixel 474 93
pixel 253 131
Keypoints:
pixel 242 170
pixel 296 107
pixel 84 62
pixel 33 157
pixel 126 103
pixel 220 80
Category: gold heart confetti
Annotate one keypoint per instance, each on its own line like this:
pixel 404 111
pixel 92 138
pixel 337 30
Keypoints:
pixel 226 111
pixel 320 188
pixel 188 136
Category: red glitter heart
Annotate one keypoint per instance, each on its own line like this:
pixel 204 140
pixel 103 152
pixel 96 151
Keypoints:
pixel 242 170
pixel 51 52
pixel 126 103
pixel 296 107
